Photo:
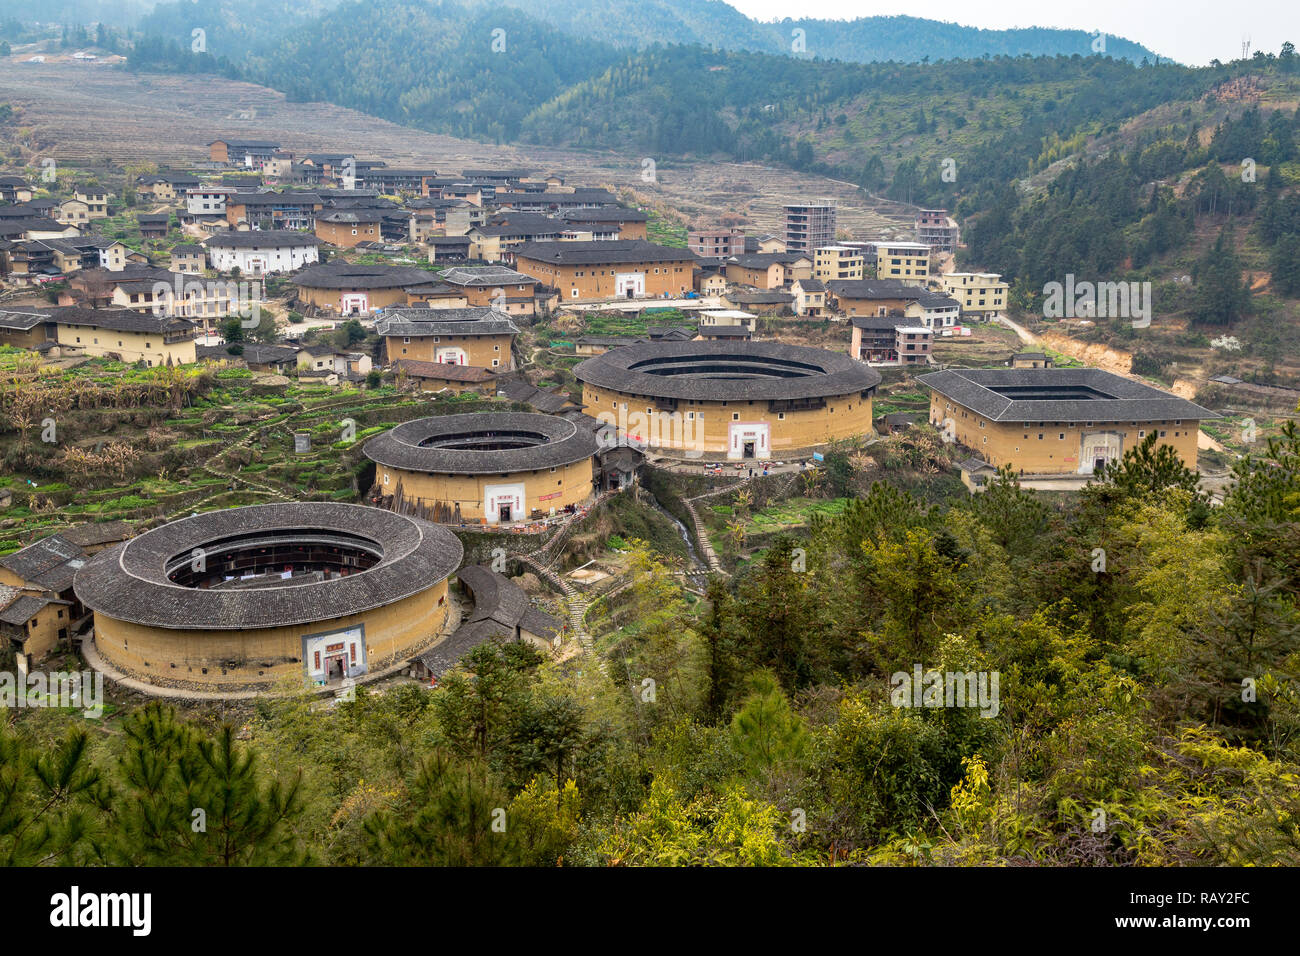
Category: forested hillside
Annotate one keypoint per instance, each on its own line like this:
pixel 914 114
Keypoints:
pixel 1145 711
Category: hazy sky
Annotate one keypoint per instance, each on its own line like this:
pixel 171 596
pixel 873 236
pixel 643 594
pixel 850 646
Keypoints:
pixel 1191 31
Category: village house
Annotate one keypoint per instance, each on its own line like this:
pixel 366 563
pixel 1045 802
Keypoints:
pixel 872 296
pixel 837 262
pixel 902 260
pixel 583 271
pixel 1030 360
pixel 889 340
pixel 480 337
pixel 444 376
pixel 32 625
pixel 809 298
pixel 320 357
pixel 273 210
pixel 357 289
pixel 617 222
pixel 935 229
pixel 24 328
pixel 1058 421
pixel 188 257
pixel 165 187
pixel 126 335
pixel 275 359
pixel 203 201
pixel 503 289
pixel 154 225
pixel 95 200
pixel 710 282
pixel 722 243
pixel 15 189
pixel 761 303
pixel 768 270
pixel 262 251
pixel 446 249
pixel 808 226
pixel 349 228
pixel 249 153
pixel 980 294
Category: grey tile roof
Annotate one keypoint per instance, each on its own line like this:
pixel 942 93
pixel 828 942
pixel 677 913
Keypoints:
pixel 49 563
pixel 21 321
pixel 875 289
pixel 120 320
pixel 1059 395
pixel 443 371
pixel 727 371
pixel 129 582
pixel 342 275
pixel 24 609
pixel 607 251
pixel 261 239
pixel 486 276
pixel 470 321
pixel 551 442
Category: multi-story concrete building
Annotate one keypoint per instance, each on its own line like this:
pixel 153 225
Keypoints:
pixel 981 294
pixel 902 260
pixel 837 262
pixel 808 226
pixel 937 230
pixel 718 243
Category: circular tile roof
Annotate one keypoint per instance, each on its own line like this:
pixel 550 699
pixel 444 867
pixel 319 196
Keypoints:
pixel 482 443
pixel 726 371
pixel 130 582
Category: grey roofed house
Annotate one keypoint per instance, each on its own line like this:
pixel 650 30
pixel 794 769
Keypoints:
pixel 811 285
pixel 880 322
pixel 342 275
pixel 444 371
pixel 486 276
pixel 875 289
pixel 131 581
pixel 669 333
pixel 727 371
pixel 276 199
pixel 261 239
pixel 501 611
pixel 17 227
pixel 594 253
pixel 606 214
pixel 611 341
pixel 93 533
pixel 471 321
pixel 450 444
pixel 25 608
pixel 760 298
pixel 254 354
pixel 529 394
pixel 120 320
pixel 352 216
pixel 21 321
pixel 50 563
pixel 187 249
pixel 1059 395
pixel 762 260
pixel 726 331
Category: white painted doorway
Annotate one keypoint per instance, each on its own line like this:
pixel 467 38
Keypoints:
pixel 749 440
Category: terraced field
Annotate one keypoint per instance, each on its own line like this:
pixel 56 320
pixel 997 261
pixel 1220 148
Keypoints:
pixel 85 114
